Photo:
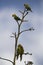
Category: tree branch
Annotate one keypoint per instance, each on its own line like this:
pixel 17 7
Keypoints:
pixel 17 22
pixel 22 16
pixel 27 30
pixel 21 12
pixel 6 59
pixel 13 34
pixel 16 39
pixel 27 53
pixel 26 14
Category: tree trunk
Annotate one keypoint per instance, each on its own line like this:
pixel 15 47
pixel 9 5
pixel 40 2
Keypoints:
pixel 15 50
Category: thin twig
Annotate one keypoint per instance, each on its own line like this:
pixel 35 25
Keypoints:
pixel 24 31
pixel 26 14
pixel 27 53
pixel 21 12
pixel 30 29
pixel 17 22
pixel 6 59
pixel 12 36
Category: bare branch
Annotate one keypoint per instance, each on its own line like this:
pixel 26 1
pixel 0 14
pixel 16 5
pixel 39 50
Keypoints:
pixel 25 20
pixel 23 16
pixel 24 31
pixel 17 22
pixel 30 29
pixel 13 33
pixel 6 59
pixel 12 36
pixel 28 53
pixel 26 14
pixel 21 12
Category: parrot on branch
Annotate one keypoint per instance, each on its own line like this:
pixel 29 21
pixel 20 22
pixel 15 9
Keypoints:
pixel 27 7
pixel 20 51
pixel 16 17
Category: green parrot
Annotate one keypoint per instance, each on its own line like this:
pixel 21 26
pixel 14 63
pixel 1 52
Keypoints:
pixel 16 17
pixel 20 51
pixel 27 7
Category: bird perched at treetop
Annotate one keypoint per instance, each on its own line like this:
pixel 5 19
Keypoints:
pixel 27 7
pixel 20 51
pixel 16 17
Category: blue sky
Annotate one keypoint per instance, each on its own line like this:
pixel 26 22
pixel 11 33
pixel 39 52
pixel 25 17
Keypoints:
pixel 32 41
